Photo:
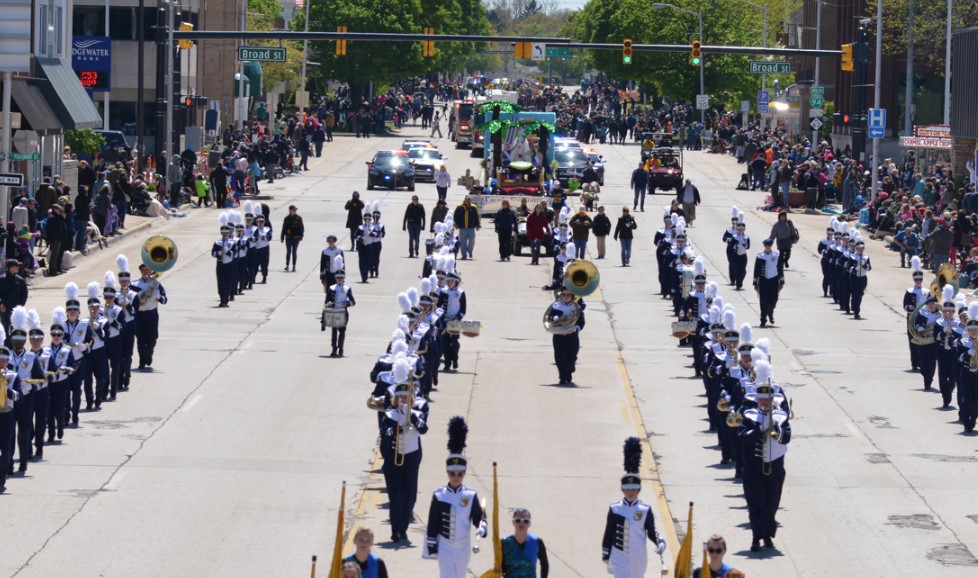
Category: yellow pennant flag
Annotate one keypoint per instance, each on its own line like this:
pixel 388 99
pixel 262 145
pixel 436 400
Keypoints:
pixel 684 560
pixel 705 571
pixel 497 541
pixel 336 567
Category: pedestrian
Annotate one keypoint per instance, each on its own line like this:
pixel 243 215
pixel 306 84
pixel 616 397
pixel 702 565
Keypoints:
pixel 219 184
pixel 436 125
pixel 468 222
pixel 354 217
pixel 369 563
pixel 438 214
pixel 13 291
pixel 505 224
pixel 623 234
pixel 640 184
pixel 318 138
pixel 522 550
pixel 716 547
pixel 292 233
pixel 689 196
pixel 785 235
pixel 202 190
pixel 56 236
pixel 580 225
pixel 601 229
pixel 304 149
pixel 768 279
pixel 443 180
pixel 537 231
pixel 413 223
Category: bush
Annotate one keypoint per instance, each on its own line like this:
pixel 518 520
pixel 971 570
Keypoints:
pixel 84 141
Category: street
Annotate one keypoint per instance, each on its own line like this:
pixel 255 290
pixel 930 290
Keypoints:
pixel 228 459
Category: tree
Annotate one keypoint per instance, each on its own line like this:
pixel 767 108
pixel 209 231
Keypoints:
pixel 929 30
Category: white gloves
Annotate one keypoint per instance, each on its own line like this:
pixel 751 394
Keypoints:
pixel 483 529
pixel 660 547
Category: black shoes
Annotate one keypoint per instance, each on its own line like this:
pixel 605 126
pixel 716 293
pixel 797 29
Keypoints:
pixel 755 546
pixel 768 543
pixel 333 353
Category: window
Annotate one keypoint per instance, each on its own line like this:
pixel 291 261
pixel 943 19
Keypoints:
pixel 42 28
pixel 59 31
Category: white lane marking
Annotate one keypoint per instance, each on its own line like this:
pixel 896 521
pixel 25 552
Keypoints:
pixel 193 401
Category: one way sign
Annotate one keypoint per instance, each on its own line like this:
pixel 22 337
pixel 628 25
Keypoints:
pixel 11 179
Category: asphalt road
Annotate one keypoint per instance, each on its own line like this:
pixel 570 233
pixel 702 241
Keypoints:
pixel 228 459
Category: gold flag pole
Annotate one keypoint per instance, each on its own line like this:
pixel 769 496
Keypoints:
pixel 497 541
pixel 313 575
pixel 336 567
pixel 685 558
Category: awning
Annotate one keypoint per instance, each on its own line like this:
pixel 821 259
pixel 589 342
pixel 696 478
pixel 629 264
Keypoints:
pixel 64 92
pixel 34 107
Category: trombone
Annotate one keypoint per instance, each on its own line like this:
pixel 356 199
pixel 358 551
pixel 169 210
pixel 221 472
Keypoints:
pixel 400 434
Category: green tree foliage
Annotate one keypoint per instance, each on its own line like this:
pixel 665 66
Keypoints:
pixel 725 22
pixel 384 61
pixel 266 15
pixel 929 29
pixel 84 141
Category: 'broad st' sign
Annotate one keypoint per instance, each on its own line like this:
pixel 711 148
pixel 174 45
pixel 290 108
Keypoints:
pixel 770 67
pixel 263 53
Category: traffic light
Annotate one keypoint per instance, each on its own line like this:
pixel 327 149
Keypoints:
pixel 846 119
pixel 626 51
pixel 188 101
pixel 847 62
pixel 341 44
pixel 428 46
pixel 186 26
pixel 696 54
pixel 523 50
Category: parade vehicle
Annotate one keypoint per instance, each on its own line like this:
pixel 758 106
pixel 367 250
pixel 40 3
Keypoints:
pixel 425 160
pixel 463 116
pixel 571 163
pixel 410 144
pixel 664 161
pixel 391 170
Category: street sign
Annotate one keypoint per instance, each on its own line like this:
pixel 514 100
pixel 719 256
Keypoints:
pixel 20 157
pixel 816 123
pixel 816 101
pixel 770 67
pixel 877 122
pixel 539 51
pixel 11 179
pixel 263 53
pixel 702 101
pixel 763 101
pixel 745 106
pixel 557 52
pixel 816 112
pixel 817 91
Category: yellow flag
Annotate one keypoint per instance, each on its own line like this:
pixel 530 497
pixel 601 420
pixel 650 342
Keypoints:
pixel 684 560
pixel 497 541
pixel 336 567
pixel 705 571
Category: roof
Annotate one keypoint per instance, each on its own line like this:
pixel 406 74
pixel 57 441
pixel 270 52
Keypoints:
pixel 66 96
pixel 34 107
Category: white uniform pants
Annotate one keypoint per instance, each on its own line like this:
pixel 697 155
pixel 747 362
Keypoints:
pixel 631 565
pixel 453 562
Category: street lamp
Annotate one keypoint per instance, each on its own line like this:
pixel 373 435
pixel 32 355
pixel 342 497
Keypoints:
pixel 698 15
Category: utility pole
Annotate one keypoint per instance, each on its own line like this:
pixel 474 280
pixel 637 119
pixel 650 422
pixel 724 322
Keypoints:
pixel 908 97
pixel 305 56
pixel 140 85
pixel 876 96
pixel 860 54
pixel 241 114
pixel 947 65
pixel 170 53
pixel 818 60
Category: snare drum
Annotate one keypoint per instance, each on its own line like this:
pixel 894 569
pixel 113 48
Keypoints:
pixel 335 317
pixel 471 328
pixel 454 327
pixel 682 329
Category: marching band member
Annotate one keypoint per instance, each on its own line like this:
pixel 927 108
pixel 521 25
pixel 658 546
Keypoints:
pixel 60 366
pixel 764 435
pixel 728 234
pixel 739 244
pixel 9 396
pixel 927 353
pixel 326 260
pixel 568 344
pixel 127 299
pixel 28 370
pixel 679 257
pixel 98 366
pixel 79 337
pixel 250 245
pixel 968 386
pixel 115 316
pixel 693 307
pixel 824 249
pixel 42 393
pixel 244 253
pixel 630 521
pixel 455 307
pixel 339 295
pixel 946 335
pixel 913 298
pixel 859 277
pixel 562 258
pixel 151 296
pixel 378 232
pixel 400 447
pixel 363 237
pixel 223 252
pixel 842 254
pixel 432 316
pixel 662 240
pixel 768 280
pixel 453 507
pixel 263 238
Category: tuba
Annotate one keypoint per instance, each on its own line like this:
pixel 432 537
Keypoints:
pixel 946 274
pixel 159 253
pixel 581 277
pixel 563 325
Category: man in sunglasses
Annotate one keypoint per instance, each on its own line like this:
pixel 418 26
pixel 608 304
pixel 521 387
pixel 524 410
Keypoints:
pixel 522 550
